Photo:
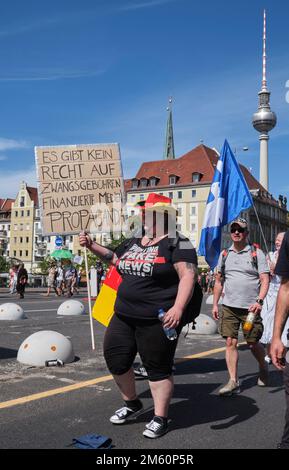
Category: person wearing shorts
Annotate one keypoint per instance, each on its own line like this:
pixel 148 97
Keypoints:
pixel 243 275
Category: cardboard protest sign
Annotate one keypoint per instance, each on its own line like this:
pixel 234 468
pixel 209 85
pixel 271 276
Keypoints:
pixel 80 188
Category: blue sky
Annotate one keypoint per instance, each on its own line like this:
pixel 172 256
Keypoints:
pixel 103 70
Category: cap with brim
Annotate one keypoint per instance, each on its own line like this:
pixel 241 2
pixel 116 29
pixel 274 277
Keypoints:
pixel 241 222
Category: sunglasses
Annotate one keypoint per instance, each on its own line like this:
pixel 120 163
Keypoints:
pixel 237 229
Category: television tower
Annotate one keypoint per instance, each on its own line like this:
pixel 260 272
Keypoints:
pixel 264 120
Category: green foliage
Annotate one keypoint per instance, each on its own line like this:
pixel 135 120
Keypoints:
pixel 45 264
pixel 4 265
pixel 92 259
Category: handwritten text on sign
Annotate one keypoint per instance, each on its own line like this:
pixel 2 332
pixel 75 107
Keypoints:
pixel 80 188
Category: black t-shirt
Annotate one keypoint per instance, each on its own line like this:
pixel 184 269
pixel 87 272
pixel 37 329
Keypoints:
pixel 149 279
pixel 282 266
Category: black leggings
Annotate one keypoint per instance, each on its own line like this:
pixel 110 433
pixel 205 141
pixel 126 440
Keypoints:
pixel 125 337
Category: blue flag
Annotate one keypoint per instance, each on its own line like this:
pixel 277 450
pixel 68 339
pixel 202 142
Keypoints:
pixel 229 195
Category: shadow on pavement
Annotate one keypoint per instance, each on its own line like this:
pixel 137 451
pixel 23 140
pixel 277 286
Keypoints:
pixel 199 405
pixel 6 353
pixel 275 380
pixel 199 366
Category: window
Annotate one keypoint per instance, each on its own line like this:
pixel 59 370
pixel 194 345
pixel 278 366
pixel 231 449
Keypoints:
pixel 180 211
pixel 143 183
pixel 180 194
pixel 21 227
pixel 22 201
pixel 196 177
pixel 193 211
pixel 28 213
pixel 20 253
pixel 26 252
pixel 132 212
pixel 194 193
pixel 141 197
pixel 179 227
pixel 21 239
pixel 14 253
pixel 171 195
pixel 15 239
pixel 172 179
pixel 27 239
pixel 22 214
pixel 134 183
pixel 193 227
pixel 15 227
pixel 153 181
pixel 16 213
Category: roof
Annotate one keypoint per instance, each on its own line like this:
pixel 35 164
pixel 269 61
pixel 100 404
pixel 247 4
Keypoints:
pixel 5 204
pixel 201 159
pixel 33 193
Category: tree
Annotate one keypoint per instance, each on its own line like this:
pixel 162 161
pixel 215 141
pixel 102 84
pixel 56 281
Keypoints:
pixel 45 264
pixel 4 265
pixel 93 259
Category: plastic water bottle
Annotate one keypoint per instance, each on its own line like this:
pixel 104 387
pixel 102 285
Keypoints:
pixel 248 325
pixel 170 333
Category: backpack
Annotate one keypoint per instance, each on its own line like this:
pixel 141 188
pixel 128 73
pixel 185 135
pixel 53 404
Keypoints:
pixel 254 259
pixel 193 308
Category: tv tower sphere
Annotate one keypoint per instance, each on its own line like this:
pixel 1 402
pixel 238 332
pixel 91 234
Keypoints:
pixel 264 120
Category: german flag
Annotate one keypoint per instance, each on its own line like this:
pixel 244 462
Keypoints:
pixel 103 308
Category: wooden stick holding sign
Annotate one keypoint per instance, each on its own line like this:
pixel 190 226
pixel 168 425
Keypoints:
pixel 80 189
pixel 89 298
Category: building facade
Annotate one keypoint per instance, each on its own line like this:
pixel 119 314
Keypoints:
pixel 187 181
pixel 21 238
pixel 5 226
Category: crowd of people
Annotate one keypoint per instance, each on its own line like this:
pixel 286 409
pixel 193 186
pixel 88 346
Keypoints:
pixel 159 272
pixel 154 277
pixel 63 278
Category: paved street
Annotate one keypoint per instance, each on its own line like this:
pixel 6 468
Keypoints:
pixel 79 398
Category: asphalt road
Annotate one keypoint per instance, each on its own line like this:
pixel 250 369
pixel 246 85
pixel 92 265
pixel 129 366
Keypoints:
pixel 79 398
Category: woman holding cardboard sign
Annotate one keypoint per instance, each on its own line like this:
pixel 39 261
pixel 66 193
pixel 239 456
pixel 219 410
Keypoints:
pixel 154 276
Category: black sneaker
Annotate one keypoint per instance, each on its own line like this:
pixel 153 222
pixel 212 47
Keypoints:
pixel 141 372
pixel 156 428
pixel 123 414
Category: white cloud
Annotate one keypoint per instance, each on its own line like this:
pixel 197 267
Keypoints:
pixel 41 75
pixel 11 144
pixel 10 181
pixel 148 4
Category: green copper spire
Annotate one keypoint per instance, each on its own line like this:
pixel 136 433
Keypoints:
pixel 169 151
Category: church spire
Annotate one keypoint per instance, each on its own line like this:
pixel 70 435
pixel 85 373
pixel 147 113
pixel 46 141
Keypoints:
pixel 169 150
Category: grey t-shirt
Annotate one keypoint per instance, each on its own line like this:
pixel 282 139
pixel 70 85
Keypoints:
pixel 242 281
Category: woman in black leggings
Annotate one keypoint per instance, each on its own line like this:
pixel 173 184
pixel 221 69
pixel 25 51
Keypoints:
pixel 154 276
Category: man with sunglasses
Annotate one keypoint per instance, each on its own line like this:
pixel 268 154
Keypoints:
pixel 245 281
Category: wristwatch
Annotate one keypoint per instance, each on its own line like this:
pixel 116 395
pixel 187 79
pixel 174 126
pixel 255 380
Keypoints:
pixel 259 301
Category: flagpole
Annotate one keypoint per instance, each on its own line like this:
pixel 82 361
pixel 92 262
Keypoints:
pixel 89 298
pixel 262 233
